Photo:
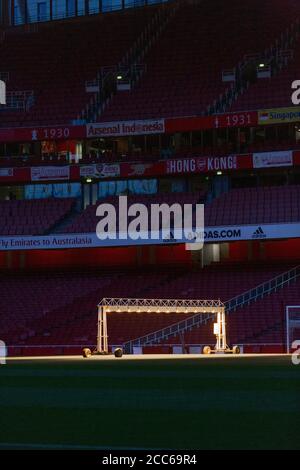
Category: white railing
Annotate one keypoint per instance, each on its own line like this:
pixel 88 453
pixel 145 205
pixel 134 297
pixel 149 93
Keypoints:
pixel 263 289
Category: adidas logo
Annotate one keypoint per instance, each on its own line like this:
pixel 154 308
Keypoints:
pixel 259 233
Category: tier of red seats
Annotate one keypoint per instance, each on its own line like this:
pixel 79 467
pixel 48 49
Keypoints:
pixel 184 68
pixel 274 92
pixel 87 220
pixel 262 322
pixel 258 205
pixel 275 204
pixel 45 310
pixel 32 217
pixel 70 297
pixel 57 60
pixel 183 71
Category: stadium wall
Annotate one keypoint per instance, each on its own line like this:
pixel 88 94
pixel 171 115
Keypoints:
pixel 152 255
pixel 119 257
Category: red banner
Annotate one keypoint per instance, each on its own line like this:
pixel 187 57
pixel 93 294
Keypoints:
pixel 32 134
pixel 179 166
pixel 219 121
pixel 141 170
pixel 125 128
pixel 206 164
pixel 15 175
pixel 297 157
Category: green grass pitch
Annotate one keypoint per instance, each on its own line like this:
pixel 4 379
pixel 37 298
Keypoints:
pixel 213 403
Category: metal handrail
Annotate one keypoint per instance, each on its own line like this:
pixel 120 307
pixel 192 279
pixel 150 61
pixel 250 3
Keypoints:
pixel 168 331
pixel 130 62
pixel 262 289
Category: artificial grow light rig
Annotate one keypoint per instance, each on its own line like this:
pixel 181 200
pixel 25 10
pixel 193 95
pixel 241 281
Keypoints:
pixel 208 307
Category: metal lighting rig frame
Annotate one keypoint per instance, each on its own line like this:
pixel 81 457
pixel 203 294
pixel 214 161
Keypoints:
pixel 117 305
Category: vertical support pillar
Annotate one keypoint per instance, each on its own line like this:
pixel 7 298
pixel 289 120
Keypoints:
pixel 12 13
pixel 287 330
pixel 221 335
pixel 99 331
pixel 86 7
pixel 25 6
pixel 102 338
pixel 104 330
pixel 218 345
pixel 223 330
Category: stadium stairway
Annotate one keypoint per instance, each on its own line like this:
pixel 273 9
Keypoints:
pixel 58 79
pixel 127 65
pixel 68 220
pixel 273 92
pixel 182 78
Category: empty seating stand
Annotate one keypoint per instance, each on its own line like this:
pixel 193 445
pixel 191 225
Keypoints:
pixel 274 92
pixel 87 220
pixel 58 58
pixel 278 204
pixel 258 326
pixel 184 68
pixel 59 309
pixel 32 217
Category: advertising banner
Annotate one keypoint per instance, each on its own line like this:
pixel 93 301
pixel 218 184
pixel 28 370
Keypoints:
pixel 6 172
pixel 151 126
pixel 179 166
pixel 207 164
pixel 211 235
pixel 50 173
pixel 15 175
pixel 125 128
pixel 252 232
pixel 279 115
pixel 81 240
pixel 101 170
pixel 273 159
pixel 133 170
pixel 32 134
pixel 217 121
